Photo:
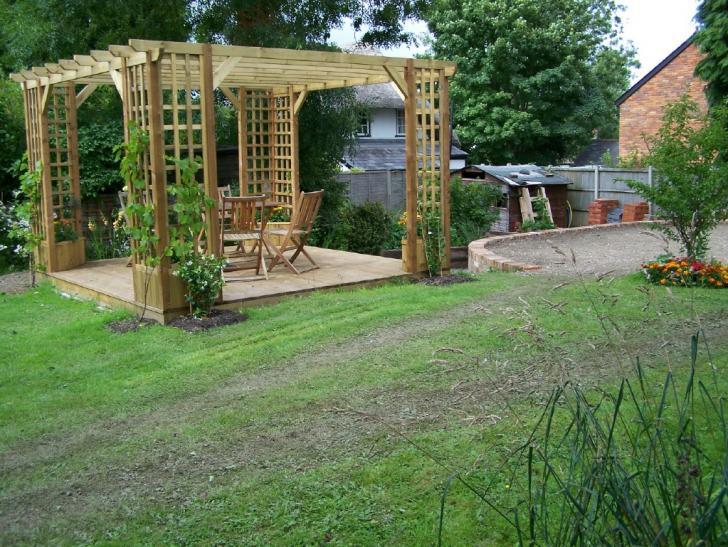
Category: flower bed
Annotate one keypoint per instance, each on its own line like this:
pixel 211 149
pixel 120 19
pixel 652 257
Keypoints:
pixel 687 273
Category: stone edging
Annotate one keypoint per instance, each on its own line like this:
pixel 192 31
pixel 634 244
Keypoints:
pixel 481 259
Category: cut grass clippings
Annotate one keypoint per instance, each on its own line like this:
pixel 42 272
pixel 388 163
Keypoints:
pixel 312 421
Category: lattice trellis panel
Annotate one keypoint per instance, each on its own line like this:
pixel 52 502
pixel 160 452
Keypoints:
pixel 181 111
pixel 34 130
pixel 63 162
pixel 137 111
pixel 255 130
pixel 427 155
pixel 283 150
pixel 428 137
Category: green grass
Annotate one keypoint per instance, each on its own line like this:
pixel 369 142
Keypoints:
pixel 300 425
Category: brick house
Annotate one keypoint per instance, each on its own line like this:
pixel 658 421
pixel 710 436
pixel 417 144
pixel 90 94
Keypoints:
pixel 641 106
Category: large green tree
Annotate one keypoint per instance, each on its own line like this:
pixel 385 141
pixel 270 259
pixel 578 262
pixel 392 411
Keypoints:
pixel 34 32
pixel 302 23
pixel 40 31
pixel 712 39
pixel 328 120
pixel 535 79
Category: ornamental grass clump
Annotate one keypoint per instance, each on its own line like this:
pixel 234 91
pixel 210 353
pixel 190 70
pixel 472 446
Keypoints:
pixel 685 272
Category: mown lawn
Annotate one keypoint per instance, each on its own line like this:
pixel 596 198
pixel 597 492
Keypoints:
pixel 337 417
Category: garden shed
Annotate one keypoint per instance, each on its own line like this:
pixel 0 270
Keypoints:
pixel 512 179
pixel 168 90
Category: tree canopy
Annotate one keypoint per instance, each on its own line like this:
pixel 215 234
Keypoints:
pixel 302 23
pixel 712 39
pixel 535 79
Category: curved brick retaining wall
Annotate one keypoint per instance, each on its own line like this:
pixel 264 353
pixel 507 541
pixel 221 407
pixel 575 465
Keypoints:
pixel 482 259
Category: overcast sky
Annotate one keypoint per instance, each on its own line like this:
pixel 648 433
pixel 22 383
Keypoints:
pixel 655 27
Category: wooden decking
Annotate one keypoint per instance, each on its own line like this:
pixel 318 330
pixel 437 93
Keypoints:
pixel 110 281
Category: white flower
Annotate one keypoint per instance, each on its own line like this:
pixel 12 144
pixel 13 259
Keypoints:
pixel 3 247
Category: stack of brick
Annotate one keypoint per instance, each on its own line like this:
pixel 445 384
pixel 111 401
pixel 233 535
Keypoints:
pixel 634 212
pixel 599 209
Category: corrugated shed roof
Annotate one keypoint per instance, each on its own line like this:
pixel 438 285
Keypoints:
pixel 387 154
pixel 523 175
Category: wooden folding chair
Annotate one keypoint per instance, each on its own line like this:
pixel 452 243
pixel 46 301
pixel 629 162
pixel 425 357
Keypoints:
pixel 296 236
pixel 239 225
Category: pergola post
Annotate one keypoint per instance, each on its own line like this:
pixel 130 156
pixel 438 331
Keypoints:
pixel 410 121
pixel 427 157
pixel 444 108
pixel 158 182
pixel 209 149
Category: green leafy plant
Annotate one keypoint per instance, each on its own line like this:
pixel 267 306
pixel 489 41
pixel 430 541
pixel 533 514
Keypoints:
pixel 362 228
pixel 434 240
pixel 107 238
pixel 541 219
pixel 689 189
pixel 27 228
pixel 201 272
pixel 140 207
pixel 203 277
pixel 99 165
pixel 190 202
pixel 471 210
pixel 369 225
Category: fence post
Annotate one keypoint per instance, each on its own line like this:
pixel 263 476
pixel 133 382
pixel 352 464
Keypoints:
pixel 596 182
pixel 389 189
pixel 649 183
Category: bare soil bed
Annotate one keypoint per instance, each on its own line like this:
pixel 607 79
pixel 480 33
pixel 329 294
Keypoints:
pixel 14 282
pixel 618 250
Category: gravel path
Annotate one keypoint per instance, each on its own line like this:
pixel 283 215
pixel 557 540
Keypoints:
pixel 14 282
pixel 620 250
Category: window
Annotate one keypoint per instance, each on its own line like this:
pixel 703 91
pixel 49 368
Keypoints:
pixel 364 129
pixel 400 123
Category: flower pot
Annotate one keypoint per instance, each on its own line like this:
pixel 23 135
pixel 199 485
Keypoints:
pixel 67 254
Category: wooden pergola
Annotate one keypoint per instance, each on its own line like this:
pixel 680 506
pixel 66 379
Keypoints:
pixel 167 89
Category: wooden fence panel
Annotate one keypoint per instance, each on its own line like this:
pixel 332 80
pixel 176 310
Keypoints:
pixel 610 185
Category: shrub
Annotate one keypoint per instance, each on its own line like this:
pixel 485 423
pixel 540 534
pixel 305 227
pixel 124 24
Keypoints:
pixel 368 228
pixel 471 210
pixel 11 245
pixel 689 188
pixel 202 274
pixel 99 166
pixel 686 272
pixel 541 219
pixel 365 228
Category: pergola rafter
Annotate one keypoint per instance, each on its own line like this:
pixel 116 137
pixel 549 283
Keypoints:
pixel 167 89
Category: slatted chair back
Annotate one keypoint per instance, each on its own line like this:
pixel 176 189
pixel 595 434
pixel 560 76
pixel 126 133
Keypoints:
pixel 296 237
pixel 241 213
pixel 306 211
pixel 223 192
